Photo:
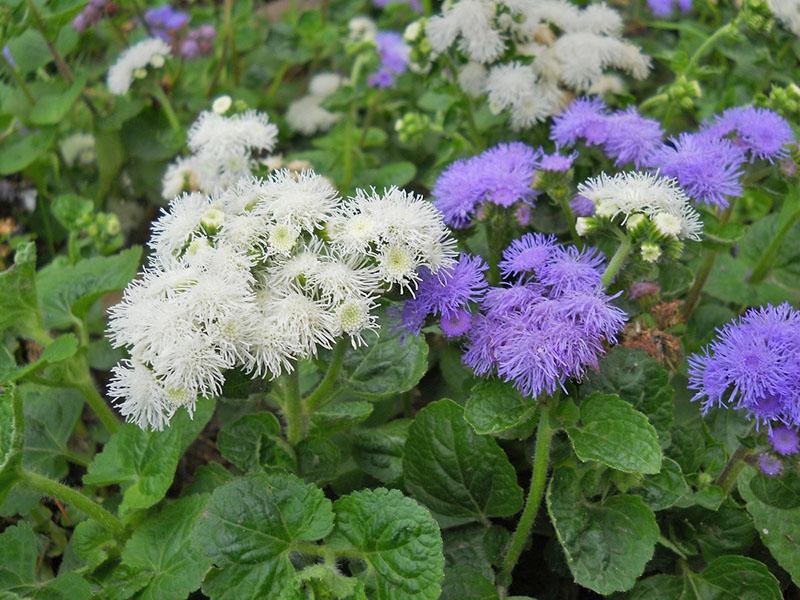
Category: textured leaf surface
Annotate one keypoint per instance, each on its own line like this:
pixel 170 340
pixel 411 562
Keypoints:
pixel 495 406
pixel 161 548
pixel 663 489
pixel 143 463
pixel 397 538
pixel 606 544
pixel 378 451
pixel 18 303
pixel 249 527
pixel 615 434
pixel 254 441
pixel 459 475
pixel 780 492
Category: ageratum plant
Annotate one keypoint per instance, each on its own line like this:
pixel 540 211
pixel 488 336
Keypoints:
pixel 399 300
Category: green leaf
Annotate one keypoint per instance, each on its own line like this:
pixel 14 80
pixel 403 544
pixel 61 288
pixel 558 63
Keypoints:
pixel 386 365
pixel 11 438
pixel 340 416
pixel 143 463
pixel 70 209
pixel 397 539
pixel 65 290
pixel 494 406
pixel 636 377
pixel 779 528
pixel 663 489
pixel 19 307
pixel 617 435
pixel 396 173
pixel 161 547
pixel 255 441
pixel 606 544
pixel 52 108
pixel 780 492
pixel 19 554
pixel 726 530
pixel 318 459
pixel 459 475
pixel 92 543
pixel 463 582
pixel 378 451
pixel 248 530
pixel 22 151
pixel 63 347
pixel 29 51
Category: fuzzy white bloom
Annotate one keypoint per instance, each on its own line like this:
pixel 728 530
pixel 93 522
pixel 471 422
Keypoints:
pixel 133 62
pixel 307 116
pixel 324 84
pixel 361 28
pixel 472 23
pixel 247 279
pixel 657 197
pixel 787 12
pixel 596 18
pixel 216 135
pixel 514 87
pixel 222 104
pixel 183 175
pixel 78 148
pixel 472 79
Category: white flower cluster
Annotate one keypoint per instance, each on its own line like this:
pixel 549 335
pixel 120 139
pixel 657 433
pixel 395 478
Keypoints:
pixel 260 275
pixel 78 149
pixel 224 149
pixel 787 12
pixel 306 115
pixel 528 56
pixel 133 62
pixel 635 196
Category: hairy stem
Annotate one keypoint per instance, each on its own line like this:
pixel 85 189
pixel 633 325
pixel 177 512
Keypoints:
pixel 767 259
pixel 166 106
pixel 541 462
pixel 693 295
pixel 730 473
pixel 570 217
pixel 616 262
pixel 292 405
pixel 708 44
pixel 321 395
pixel 68 495
pixel 98 404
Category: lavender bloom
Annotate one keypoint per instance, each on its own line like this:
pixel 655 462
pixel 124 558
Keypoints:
pixel 557 162
pixel 198 42
pixel 631 138
pixel 784 441
pixel 9 57
pixel 415 4
pixel 446 293
pixel 642 289
pixel 165 22
pixel 527 254
pixel 770 465
pixel 707 167
pixel 394 53
pixel 523 215
pixel 760 131
pixel 457 323
pixel 571 270
pixel 665 8
pixel 501 175
pixel 753 361
pixel 94 12
pixel 581 206
pixel 584 118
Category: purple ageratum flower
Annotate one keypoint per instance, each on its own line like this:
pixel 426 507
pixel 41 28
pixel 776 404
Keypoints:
pixel 643 289
pixel 502 175
pixel 458 323
pixel 595 314
pixel 94 12
pixel 198 42
pixel 760 131
pixel 581 206
pixel 784 441
pixel 770 465
pixel 415 4
pixel 665 8
pixel 165 22
pixel 394 53
pixel 527 254
pixel 570 270
pixel 707 167
pixel 584 118
pixel 523 215
pixel 9 57
pixel 556 162
pixel 631 138
pixel 752 366
pixel 504 300
pixel 446 293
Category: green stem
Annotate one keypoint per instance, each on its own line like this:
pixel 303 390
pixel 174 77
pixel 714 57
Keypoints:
pixel 166 106
pixel 616 262
pixel 567 210
pixel 541 461
pixel 708 44
pixel 99 406
pixel 19 80
pixel 68 495
pixel 321 395
pixel 668 544
pixel 693 295
pixel 765 262
pixel 62 66
pixel 277 80
pixel 653 101
pixel 293 410
pixel 730 473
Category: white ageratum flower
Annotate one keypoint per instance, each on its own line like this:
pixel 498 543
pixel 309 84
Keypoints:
pixel 659 198
pixel 472 79
pixel 133 62
pixel 566 16
pixel 307 115
pixel 472 24
pixel 183 175
pixel 222 104
pixel 213 134
pixel 78 149
pixel 324 84
pixel 787 12
pixel 258 276
pixel 515 87
pixel 361 28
